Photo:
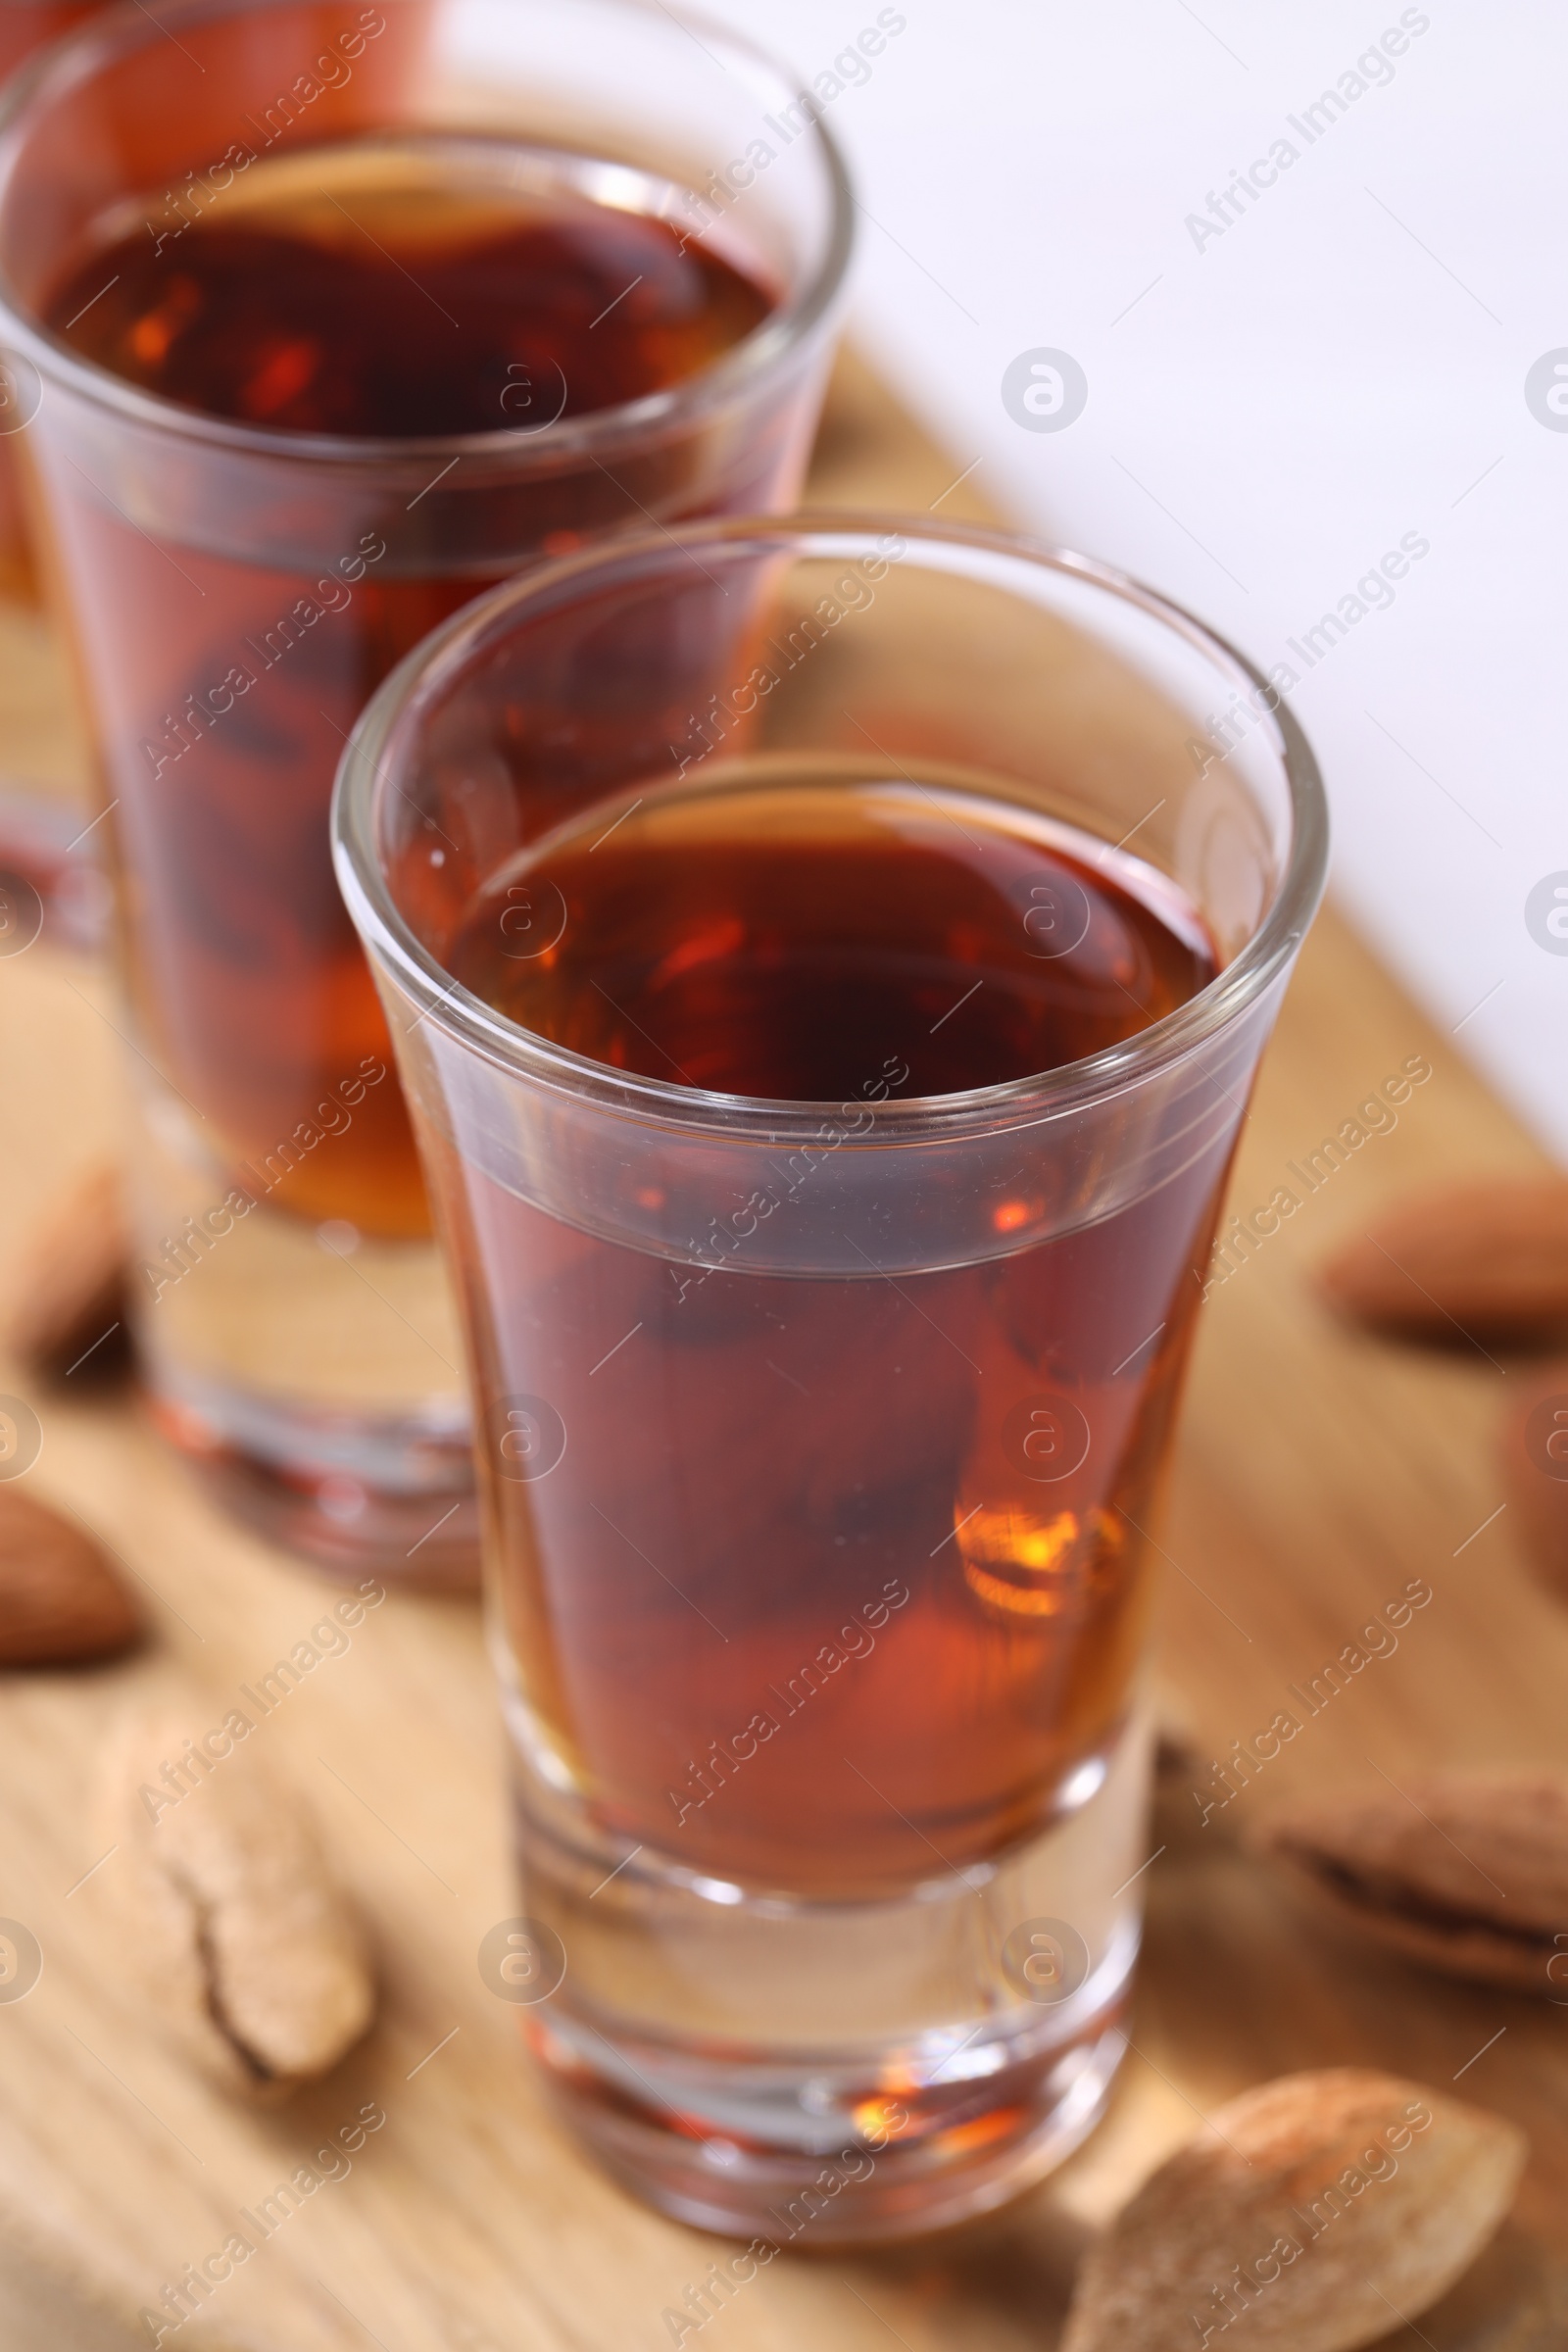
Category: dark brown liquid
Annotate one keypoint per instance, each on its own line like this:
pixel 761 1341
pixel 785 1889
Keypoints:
pixel 405 313
pixel 784 941
pixel 822 1592
pixel 360 289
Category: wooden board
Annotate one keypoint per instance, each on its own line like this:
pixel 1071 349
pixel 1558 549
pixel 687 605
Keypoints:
pixel 1318 1472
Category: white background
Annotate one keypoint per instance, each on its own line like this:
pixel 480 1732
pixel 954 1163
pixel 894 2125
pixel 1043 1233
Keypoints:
pixel 1269 414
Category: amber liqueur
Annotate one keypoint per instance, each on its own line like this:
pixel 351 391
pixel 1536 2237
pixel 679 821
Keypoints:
pixel 373 289
pixel 829 1587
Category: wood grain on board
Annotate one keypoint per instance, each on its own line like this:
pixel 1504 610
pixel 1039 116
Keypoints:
pixel 1319 1472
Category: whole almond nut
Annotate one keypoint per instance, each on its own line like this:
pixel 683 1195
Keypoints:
pixel 1534 1469
pixel 68 1302
pixel 1484 1259
pixel 1178 1751
pixel 61 1602
pixel 1464 1874
pixel 224 1906
pixel 1313 2215
pixel 1179 1766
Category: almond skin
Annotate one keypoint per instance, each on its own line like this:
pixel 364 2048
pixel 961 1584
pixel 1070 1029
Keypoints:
pixel 1489 1258
pixel 222 1905
pixel 61 1602
pixel 69 1303
pixel 1306 2209
pixel 1466 1875
pixel 1180 1764
pixel 1535 1469
pixel 1178 1750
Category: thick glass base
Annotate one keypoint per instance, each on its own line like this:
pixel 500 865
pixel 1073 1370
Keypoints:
pixel 355 1495
pixel 818 2073
pixel 971 2152
pixel 309 1371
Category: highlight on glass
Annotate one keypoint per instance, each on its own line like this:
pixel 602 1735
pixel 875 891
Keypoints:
pixel 827 1050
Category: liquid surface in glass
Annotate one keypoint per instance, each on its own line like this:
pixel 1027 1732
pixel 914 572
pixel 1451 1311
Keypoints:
pixel 407 288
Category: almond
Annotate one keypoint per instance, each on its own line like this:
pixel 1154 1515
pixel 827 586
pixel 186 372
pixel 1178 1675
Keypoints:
pixel 1535 1467
pixel 69 1308
pixel 1486 1260
pixel 1467 1874
pixel 225 1909
pixel 1178 1752
pixel 1180 1764
pixel 1313 2215
pixel 60 1599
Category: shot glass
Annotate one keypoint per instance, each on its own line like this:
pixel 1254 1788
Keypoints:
pixel 235 591
pixel 819 1438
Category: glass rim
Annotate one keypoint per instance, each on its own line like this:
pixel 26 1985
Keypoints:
pixel 425 674
pixel 75 55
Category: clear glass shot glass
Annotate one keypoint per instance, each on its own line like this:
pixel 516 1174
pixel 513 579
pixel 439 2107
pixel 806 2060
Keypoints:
pixel 819 1438
pixel 236 590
